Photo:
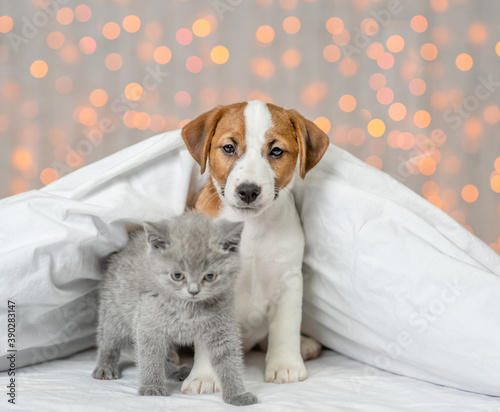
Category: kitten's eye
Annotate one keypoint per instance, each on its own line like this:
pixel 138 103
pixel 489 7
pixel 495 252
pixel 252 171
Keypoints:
pixel 229 149
pixel 177 276
pixel 276 152
pixel 209 277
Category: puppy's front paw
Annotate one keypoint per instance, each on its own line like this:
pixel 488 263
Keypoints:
pixel 285 372
pixel 106 372
pixel 180 373
pixel 200 384
pixel 309 348
pixel 242 399
pixel 153 390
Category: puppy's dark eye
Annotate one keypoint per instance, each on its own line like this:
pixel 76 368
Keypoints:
pixel 177 276
pixel 229 149
pixel 276 152
pixel 209 277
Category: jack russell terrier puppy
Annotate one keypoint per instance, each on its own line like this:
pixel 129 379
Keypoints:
pixel 255 152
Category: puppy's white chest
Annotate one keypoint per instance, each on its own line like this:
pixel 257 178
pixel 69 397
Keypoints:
pixel 271 250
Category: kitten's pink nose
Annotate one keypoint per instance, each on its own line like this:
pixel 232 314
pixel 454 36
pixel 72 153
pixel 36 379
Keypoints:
pixel 194 292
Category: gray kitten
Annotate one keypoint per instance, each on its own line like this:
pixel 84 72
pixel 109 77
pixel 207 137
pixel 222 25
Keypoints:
pixel 172 285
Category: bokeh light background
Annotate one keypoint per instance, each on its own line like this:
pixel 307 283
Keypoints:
pixel 410 87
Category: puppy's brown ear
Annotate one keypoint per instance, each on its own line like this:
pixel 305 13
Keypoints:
pixel 312 141
pixel 198 133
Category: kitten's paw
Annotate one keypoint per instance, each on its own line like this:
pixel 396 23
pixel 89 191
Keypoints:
pixel 180 373
pixel 309 348
pixel 200 384
pixel 106 372
pixel 242 399
pixel 153 390
pixel 285 372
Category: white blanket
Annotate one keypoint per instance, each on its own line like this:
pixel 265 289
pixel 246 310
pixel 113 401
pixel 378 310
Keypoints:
pixel 390 279
pixel 334 384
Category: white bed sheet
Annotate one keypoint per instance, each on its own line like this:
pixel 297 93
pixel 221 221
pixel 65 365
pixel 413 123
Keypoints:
pixel 335 383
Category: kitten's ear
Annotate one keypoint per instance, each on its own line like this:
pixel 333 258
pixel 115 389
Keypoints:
pixel 231 235
pixel 157 237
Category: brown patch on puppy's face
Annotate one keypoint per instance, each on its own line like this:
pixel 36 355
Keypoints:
pixel 281 138
pixel 228 143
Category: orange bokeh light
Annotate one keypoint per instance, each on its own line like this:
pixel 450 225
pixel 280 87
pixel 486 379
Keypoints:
pixel 39 69
pixel 375 50
pixel 111 30
pixel 87 45
pixel 464 62
pixel 133 91
pixel 386 61
pixel 430 188
pixel 369 26
pixel 83 13
pixel 473 128
pixel 131 23
pixel 427 166
pixel 55 40
pixel 265 34
pixel 98 97
pixel 470 193
pixel 331 53
pixel 182 99
pixel 219 54
pixel 417 87
pixel 194 64
pixel 495 183
pixel 385 96
pixel 395 43
pixel 6 24
pixel 87 116
pixel 376 127
pixel 291 58
pixel 439 5
pixel 397 111
pixel 323 123
pixel 162 55
pixel 347 103
pixel 476 33
pixel 418 24
pixel 429 51
pixel 291 25
pixel 65 16
pixel 201 28
pixel 492 114
pixel 113 62
pixel 48 175
pixel 334 25
pixel 22 158
pixel 374 161
pixel 422 119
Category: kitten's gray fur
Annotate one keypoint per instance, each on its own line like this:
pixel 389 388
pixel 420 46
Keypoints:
pixel 140 301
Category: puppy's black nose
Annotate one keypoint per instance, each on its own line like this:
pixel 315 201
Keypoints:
pixel 248 192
